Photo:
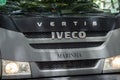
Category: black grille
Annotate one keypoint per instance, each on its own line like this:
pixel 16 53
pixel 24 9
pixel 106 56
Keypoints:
pixel 48 34
pixel 66 45
pixel 66 64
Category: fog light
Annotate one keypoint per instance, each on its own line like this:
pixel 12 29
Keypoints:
pixel 15 68
pixel 112 64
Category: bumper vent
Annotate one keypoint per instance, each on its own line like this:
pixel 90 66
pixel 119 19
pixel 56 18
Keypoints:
pixel 67 64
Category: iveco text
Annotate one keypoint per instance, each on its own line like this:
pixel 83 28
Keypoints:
pixel 68 35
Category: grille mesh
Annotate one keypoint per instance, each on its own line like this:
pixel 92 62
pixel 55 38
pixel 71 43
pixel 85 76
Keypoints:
pixel 67 64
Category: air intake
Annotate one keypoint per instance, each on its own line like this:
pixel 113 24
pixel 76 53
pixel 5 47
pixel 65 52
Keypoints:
pixel 67 64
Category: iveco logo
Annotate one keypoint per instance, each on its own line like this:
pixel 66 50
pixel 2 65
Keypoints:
pixel 68 35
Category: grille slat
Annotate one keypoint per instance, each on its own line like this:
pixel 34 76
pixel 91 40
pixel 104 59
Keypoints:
pixel 66 45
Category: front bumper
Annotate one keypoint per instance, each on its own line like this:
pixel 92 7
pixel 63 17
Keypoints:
pixel 88 77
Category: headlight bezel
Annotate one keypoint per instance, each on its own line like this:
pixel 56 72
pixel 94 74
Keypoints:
pixel 21 69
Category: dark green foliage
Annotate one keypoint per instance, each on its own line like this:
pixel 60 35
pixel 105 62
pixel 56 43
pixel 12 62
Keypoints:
pixel 61 6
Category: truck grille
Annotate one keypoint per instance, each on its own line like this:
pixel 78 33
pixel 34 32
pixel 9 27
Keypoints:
pixel 67 64
pixel 42 40
pixel 48 34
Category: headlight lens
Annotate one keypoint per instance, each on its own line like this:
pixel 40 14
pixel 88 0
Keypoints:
pixel 15 68
pixel 112 64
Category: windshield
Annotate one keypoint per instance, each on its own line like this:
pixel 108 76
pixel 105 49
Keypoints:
pixel 60 6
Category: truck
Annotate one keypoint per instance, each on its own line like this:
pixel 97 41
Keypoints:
pixel 60 39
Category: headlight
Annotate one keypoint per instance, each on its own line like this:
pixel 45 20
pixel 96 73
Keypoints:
pixel 112 64
pixel 15 68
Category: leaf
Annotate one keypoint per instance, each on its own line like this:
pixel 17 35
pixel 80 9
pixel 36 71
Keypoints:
pixel 2 2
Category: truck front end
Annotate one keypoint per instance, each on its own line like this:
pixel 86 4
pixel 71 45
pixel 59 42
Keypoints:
pixel 60 39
